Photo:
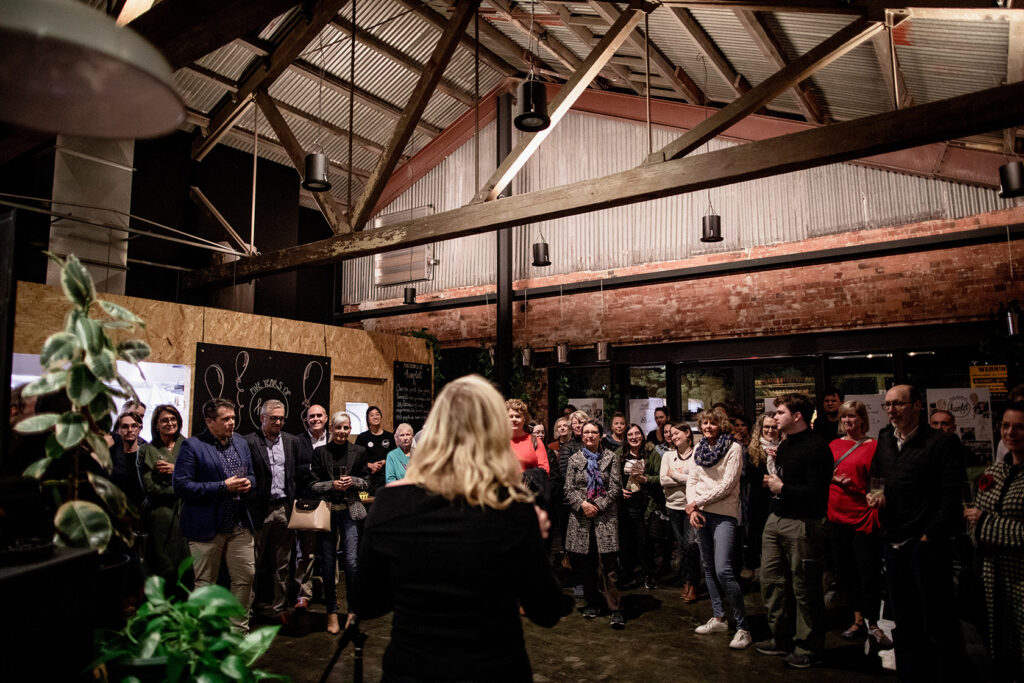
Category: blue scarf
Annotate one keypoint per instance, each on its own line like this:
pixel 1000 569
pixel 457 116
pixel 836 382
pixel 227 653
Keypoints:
pixel 708 456
pixel 595 482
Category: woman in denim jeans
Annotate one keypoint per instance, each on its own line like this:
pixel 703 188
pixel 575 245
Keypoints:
pixel 713 504
pixel 339 473
pixel 675 472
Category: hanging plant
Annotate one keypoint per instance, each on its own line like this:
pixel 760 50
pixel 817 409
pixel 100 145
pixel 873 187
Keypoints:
pixel 81 360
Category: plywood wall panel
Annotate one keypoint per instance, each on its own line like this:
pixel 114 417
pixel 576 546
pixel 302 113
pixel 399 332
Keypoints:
pixel 362 363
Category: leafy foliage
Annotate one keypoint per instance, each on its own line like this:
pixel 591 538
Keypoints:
pixel 194 635
pixel 81 360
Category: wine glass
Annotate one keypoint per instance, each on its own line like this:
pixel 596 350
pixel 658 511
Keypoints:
pixel 778 473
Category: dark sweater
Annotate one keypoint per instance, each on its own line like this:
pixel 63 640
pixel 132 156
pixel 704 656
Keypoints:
pixel 806 463
pixel 923 485
pixel 454 575
pixel 826 429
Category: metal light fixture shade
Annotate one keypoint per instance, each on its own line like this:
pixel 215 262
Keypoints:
pixel 1012 318
pixel 316 173
pixel 562 353
pixel 409 296
pixel 712 232
pixel 68 68
pixel 527 356
pixel 1011 180
pixel 533 107
pixel 540 255
pixel 602 351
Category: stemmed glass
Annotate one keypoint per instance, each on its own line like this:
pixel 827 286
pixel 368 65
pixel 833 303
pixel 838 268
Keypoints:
pixel 778 473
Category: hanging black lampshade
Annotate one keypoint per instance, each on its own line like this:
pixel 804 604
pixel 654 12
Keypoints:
pixel 533 108
pixel 540 255
pixel 409 296
pixel 602 351
pixel 527 356
pixel 316 173
pixel 1011 180
pixel 712 228
pixel 562 353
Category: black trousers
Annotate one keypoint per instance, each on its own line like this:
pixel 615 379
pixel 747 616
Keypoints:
pixel 928 638
pixel 858 558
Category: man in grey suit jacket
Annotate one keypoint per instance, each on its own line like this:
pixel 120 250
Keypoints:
pixel 279 479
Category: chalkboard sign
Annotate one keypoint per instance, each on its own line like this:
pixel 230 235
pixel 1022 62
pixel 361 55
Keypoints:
pixel 412 393
pixel 251 376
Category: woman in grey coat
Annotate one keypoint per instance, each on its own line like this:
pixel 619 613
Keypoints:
pixel 593 487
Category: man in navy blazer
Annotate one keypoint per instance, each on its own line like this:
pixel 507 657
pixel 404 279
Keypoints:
pixel 280 478
pixel 214 478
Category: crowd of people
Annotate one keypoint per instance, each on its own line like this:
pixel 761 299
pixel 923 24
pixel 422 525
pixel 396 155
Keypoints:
pixel 791 506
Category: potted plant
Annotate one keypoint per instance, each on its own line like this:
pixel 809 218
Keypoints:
pixel 81 360
pixel 185 640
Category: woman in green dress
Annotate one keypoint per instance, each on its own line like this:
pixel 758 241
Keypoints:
pixel 166 547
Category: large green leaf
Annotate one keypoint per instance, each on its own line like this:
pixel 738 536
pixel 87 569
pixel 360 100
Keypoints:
pixel 110 494
pixel 71 429
pixel 37 469
pixel 100 450
pixel 103 364
pixel 37 423
pixel 149 645
pixel 53 448
pixel 90 334
pixel 47 384
pixel 215 601
pixel 209 677
pixel 256 643
pixel 117 325
pixel 59 348
pixel 82 385
pixel 234 668
pixel 82 524
pixel 77 283
pixel 120 313
pixel 155 589
pixel 133 350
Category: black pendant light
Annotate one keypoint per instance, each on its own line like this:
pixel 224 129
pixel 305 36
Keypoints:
pixel 315 179
pixel 1011 180
pixel 409 296
pixel 541 258
pixel 533 107
pixel 527 356
pixel 712 228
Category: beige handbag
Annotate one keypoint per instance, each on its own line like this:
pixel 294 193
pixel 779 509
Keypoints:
pixel 310 515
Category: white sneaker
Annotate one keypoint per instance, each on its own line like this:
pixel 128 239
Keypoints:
pixel 741 640
pixel 713 626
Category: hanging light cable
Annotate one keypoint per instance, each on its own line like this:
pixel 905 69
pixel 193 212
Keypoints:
pixel 316 178
pixel 533 100
pixel 351 107
pixel 409 295
pixel 647 80
pixel 711 224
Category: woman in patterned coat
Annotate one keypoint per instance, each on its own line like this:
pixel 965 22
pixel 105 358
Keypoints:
pixel 996 523
pixel 593 487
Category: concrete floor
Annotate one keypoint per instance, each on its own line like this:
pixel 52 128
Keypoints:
pixel 658 644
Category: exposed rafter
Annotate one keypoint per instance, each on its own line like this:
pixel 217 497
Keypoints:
pixel 560 52
pixel 298 156
pixel 986 110
pixel 418 100
pixel 718 61
pixel 872 8
pixel 559 107
pixel 616 72
pixel 823 54
pixel 1014 74
pixel 889 65
pixel 677 79
pixel 765 39
pixel 397 56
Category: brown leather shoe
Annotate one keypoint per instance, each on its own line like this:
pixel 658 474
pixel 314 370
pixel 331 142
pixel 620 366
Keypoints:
pixel 332 624
pixel 302 603
pixel 689 593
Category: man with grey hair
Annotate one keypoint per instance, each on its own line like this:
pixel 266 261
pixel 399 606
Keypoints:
pixel 312 437
pixel 275 457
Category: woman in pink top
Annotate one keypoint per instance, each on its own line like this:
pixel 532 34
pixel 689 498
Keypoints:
pixel 853 525
pixel 530 451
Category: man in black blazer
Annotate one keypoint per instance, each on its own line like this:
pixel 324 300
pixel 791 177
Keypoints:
pixel 279 478
pixel 314 436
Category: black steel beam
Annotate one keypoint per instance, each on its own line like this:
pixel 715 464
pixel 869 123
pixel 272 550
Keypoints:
pixel 503 333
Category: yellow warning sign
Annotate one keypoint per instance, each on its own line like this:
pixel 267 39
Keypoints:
pixel 991 377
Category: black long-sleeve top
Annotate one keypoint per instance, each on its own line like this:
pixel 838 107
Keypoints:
pixel 923 484
pixel 454 574
pixel 806 463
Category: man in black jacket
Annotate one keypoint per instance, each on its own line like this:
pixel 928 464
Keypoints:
pixel 275 458
pixel 312 437
pixel 919 513
pixel 793 543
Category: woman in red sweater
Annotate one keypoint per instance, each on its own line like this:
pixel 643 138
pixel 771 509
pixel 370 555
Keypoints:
pixel 530 451
pixel 853 526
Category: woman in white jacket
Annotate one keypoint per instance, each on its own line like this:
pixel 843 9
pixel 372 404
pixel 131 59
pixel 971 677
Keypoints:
pixel 713 504
pixel 675 471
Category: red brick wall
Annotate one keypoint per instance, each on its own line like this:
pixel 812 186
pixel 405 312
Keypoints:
pixel 950 285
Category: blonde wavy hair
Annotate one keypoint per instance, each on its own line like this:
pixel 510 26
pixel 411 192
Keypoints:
pixel 465 451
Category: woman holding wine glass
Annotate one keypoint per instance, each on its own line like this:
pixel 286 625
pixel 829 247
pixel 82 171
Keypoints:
pixel 339 473
pixel 166 548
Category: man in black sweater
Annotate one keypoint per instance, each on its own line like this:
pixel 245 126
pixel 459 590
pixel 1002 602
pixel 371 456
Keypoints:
pixel 793 544
pixel 827 424
pixel 923 476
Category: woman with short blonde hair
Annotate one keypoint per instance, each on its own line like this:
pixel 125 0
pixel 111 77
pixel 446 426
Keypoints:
pixel 454 550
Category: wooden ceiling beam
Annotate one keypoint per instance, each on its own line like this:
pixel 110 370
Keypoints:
pixel 341 86
pixel 818 57
pixel 976 112
pixel 759 30
pixel 560 52
pixel 618 73
pixel 338 131
pixel 1014 74
pixel 421 94
pixel 873 8
pixel 706 44
pixel 892 74
pixel 559 107
pixel 397 56
pixel 295 152
pixel 262 74
pixel 678 79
